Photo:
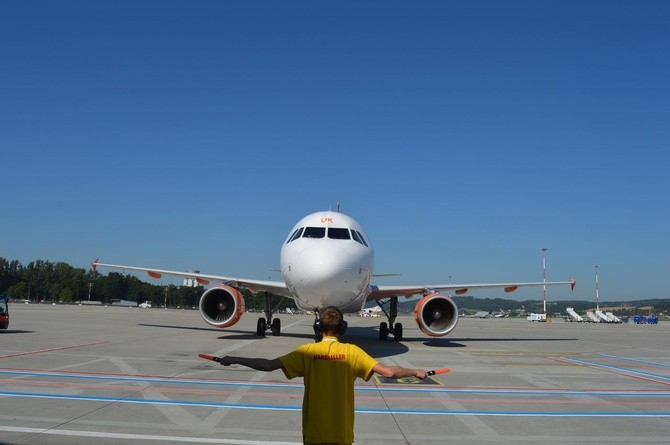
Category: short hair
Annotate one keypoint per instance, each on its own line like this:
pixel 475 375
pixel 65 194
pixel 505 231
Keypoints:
pixel 331 319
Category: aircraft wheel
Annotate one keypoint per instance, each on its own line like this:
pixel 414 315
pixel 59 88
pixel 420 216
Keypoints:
pixel 383 331
pixel 261 326
pixel 397 332
pixel 275 327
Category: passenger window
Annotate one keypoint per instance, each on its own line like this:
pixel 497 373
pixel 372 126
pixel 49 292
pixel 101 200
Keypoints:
pixel 337 233
pixel 360 238
pixel 295 235
pixel 314 232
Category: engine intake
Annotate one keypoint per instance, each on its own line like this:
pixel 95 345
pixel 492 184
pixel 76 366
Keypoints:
pixel 221 306
pixel 436 315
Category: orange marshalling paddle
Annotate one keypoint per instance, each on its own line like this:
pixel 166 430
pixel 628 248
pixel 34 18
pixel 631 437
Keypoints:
pixel 438 371
pixel 210 357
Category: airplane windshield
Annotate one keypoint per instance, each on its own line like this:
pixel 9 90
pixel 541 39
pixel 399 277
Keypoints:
pixel 314 232
pixel 333 233
pixel 337 233
pixel 295 235
pixel 358 237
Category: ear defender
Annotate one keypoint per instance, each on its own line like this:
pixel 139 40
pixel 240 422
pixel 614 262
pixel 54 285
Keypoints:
pixel 342 328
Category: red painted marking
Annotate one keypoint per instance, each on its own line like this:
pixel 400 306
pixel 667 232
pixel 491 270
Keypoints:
pixel 39 351
pixel 283 395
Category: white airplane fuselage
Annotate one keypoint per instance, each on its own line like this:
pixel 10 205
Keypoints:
pixel 327 260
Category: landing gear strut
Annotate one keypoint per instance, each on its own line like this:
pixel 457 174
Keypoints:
pixel 395 328
pixel 263 325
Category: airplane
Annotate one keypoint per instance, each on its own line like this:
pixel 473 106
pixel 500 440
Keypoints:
pixel 327 260
pixel 482 314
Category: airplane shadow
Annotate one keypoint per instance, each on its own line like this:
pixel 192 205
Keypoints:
pixel 368 340
pixel 455 342
pixel 229 334
pixel 364 337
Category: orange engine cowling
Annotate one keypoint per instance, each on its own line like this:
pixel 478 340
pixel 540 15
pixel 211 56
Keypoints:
pixel 436 315
pixel 221 306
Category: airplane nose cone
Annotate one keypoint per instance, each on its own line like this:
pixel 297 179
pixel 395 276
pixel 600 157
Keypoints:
pixel 324 276
pixel 317 266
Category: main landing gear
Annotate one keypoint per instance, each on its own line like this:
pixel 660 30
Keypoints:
pixel 392 327
pixel 274 325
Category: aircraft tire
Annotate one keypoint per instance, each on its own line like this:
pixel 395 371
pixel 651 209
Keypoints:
pixel 397 332
pixel 275 327
pixel 261 326
pixel 383 331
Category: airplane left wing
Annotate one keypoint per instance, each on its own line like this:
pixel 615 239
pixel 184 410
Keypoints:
pixel 381 292
pixel 274 287
pixel 435 313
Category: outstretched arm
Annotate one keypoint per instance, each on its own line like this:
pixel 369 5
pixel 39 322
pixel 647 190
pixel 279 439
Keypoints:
pixel 259 364
pixel 398 372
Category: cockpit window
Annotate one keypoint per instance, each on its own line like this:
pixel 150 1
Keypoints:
pixel 295 235
pixel 314 232
pixel 337 233
pixel 358 237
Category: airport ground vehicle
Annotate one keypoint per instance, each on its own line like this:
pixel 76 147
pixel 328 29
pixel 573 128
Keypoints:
pixel 4 312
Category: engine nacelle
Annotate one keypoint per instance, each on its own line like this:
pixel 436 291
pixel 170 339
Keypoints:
pixel 436 315
pixel 221 306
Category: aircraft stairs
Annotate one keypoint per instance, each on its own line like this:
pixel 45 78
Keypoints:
pixel 612 318
pixel 592 317
pixel 574 315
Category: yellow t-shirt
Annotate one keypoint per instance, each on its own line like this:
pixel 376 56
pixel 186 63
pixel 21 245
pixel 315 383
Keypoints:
pixel 329 369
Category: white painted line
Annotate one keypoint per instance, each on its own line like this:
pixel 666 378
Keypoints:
pixel 102 435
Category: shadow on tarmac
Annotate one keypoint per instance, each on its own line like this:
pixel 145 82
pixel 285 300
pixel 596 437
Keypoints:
pixel 454 342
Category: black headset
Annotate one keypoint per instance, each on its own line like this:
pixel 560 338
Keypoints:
pixel 341 327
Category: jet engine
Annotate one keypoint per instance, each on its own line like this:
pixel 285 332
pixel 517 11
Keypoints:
pixel 436 315
pixel 221 306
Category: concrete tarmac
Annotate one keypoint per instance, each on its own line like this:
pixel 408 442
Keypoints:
pixel 110 375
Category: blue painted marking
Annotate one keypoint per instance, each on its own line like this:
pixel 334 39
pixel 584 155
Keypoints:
pixel 432 390
pixel 644 362
pixel 359 410
pixel 617 368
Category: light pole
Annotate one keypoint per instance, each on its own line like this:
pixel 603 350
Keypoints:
pixel 544 280
pixel 597 296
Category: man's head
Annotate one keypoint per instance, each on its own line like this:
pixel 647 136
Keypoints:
pixel 331 321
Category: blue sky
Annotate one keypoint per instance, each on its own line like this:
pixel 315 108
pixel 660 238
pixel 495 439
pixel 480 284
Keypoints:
pixel 464 136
